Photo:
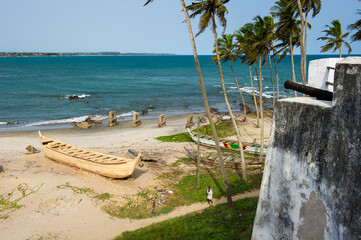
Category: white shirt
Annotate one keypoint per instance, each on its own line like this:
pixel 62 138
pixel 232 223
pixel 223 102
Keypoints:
pixel 209 193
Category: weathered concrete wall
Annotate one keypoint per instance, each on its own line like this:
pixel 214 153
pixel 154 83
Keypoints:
pixel 319 74
pixel 311 187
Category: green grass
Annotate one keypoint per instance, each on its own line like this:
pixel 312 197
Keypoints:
pixel 182 160
pixel 88 191
pixel 185 192
pixel 224 129
pixel 215 222
pixel 181 137
pixel 9 205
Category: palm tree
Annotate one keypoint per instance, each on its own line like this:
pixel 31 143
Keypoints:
pixel 271 27
pixel 209 9
pixel 356 26
pixel 335 38
pixel 227 51
pixel 245 38
pixel 305 6
pixel 261 45
pixel 205 100
pixel 287 31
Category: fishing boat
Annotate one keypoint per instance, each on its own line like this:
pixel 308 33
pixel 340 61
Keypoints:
pixel 102 164
pixel 229 161
pixel 226 144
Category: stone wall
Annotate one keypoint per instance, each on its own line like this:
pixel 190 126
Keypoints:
pixel 311 187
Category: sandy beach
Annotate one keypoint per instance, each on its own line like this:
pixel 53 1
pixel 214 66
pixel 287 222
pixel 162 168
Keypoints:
pixel 52 212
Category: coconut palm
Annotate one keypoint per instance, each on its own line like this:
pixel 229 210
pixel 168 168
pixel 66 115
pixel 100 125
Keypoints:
pixel 205 100
pixel 227 53
pixel 335 38
pixel 304 7
pixel 209 10
pixel 245 38
pixel 261 45
pixel 356 26
pixel 271 27
pixel 287 31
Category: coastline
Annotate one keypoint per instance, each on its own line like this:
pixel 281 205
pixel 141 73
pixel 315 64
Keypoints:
pixel 64 214
pixel 123 121
pixel 61 211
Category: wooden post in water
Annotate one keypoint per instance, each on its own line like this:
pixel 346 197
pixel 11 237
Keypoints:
pixel 161 121
pixel 190 122
pixel 112 121
pixel 136 120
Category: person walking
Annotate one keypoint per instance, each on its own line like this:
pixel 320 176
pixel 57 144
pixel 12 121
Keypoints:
pixel 209 195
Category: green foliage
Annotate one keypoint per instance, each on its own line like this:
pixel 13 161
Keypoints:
pixel 215 222
pixel 223 128
pixel 184 193
pixel 9 205
pixel 188 193
pixel 335 38
pixel 182 160
pixel 181 137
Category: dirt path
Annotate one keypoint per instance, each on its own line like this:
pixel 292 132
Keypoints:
pixel 122 225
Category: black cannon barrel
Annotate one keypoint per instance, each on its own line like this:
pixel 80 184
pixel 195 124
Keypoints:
pixel 311 91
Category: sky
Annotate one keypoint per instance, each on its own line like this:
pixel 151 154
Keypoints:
pixel 127 26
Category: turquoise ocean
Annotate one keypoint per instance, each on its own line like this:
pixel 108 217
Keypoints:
pixel 34 91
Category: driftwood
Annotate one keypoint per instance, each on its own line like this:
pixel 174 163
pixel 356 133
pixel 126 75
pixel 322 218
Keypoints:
pixel 161 121
pixel 136 120
pixel 143 157
pixel 112 121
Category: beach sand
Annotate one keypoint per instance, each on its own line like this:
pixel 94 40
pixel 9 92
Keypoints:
pixel 59 213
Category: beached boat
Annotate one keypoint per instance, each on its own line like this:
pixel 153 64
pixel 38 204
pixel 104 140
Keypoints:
pixel 226 144
pixel 102 164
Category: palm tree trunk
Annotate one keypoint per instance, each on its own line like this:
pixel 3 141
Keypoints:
pixel 275 65
pixel 273 86
pixel 340 52
pixel 277 79
pixel 239 90
pixel 254 95
pixel 305 47
pixel 303 70
pixel 244 178
pixel 198 151
pixel 261 109
pixel 204 94
pixel 293 66
pixel 255 69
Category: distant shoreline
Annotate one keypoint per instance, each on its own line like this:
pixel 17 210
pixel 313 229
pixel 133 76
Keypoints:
pixel 50 54
pixel 112 54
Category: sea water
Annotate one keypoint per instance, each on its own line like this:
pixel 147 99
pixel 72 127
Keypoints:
pixel 36 91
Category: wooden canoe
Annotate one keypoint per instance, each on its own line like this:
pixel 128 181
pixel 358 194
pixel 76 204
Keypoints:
pixel 226 144
pixel 102 164
pixel 230 161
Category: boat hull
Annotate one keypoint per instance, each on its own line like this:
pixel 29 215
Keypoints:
pixel 116 170
pixel 225 145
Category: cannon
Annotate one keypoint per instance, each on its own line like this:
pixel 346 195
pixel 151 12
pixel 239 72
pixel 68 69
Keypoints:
pixel 311 91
